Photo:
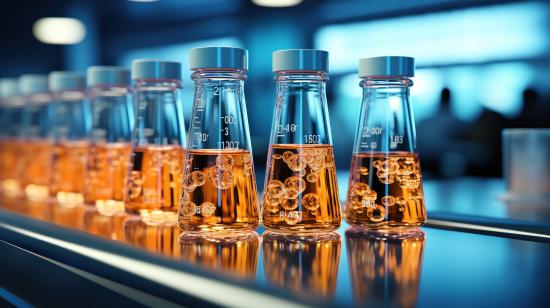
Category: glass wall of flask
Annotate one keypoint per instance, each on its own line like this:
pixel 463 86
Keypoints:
pixel 220 193
pixel 71 131
pixel 34 160
pixel 385 184
pixel 300 191
pixel 109 153
pixel 158 141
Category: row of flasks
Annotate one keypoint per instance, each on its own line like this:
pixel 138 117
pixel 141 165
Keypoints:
pixel 116 139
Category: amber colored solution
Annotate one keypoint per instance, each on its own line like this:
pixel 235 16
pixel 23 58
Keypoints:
pixel 155 178
pixel 36 173
pixel 385 191
pixel 106 174
pixel 235 256
pixel 307 265
pixel 220 192
pixel 69 169
pixel 384 269
pixel 11 165
pixel 72 217
pixel 155 232
pixel 301 193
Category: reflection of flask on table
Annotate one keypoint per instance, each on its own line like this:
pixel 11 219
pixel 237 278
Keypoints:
pixel 158 139
pixel 385 270
pixel 71 128
pixel 68 216
pixel 154 231
pixel 385 186
pixel 307 265
pixel 109 224
pixel 112 123
pixel 235 255
pixel 220 193
pixel 300 192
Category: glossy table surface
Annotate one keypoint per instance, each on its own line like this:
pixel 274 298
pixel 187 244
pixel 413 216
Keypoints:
pixel 53 255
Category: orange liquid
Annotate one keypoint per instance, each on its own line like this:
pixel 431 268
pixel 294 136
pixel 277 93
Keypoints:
pixel 384 270
pixel 307 265
pixel 69 169
pixel 301 193
pixel 105 225
pixel 234 256
pixel 106 172
pixel 37 172
pixel 11 165
pixel 219 192
pixel 155 179
pixel 385 191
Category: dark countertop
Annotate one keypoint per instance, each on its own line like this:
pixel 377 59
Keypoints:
pixel 445 267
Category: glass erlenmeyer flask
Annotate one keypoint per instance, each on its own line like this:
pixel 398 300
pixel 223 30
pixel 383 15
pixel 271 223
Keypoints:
pixel 112 122
pixel 158 141
pixel 12 120
pixel 35 170
pixel 385 185
pixel 71 129
pixel 300 192
pixel 220 191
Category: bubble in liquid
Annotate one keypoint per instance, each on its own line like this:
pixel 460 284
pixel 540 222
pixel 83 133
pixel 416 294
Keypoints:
pixel 312 177
pixel 188 184
pixel 295 182
pixel 293 217
pixel 271 207
pixel 188 208
pixel 275 188
pixel 222 179
pixel 406 166
pixel 388 200
pixel 208 209
pixel 376 214
pixel 198 178
pixel 276 156
pixel 295 163
pixel 362 170
pixel 360 188
pixel 311 201
pixel 308 156
pixel 415 194
pixel 287 155
pixel 291 193
pixel 385 177
pixel 355 204
pixel 400 201
pixel 289 204
pixel 225 162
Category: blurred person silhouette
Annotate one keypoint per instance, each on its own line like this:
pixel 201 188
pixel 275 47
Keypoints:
pixel 440 141
pixel 485 134
pixel 532 114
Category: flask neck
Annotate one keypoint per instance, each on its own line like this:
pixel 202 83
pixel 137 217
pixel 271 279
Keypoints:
pixel 301 115
pixel 394 86
pixel 159 120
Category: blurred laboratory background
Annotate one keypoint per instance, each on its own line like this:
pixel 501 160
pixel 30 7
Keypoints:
pixel 482 65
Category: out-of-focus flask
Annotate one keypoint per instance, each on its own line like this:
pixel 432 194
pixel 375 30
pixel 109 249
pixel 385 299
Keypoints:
pixel 152 232
pixel 220 193
pixel 158 141
pixel 300 191
pixel 12 119
pixel 109 153
pixel 385 184
pixel 385 269
pixel 35 157
pixel 71 131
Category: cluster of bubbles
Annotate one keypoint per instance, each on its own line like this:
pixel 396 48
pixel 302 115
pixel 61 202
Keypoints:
pixel 315 159
pixel 189 209
pixel 405 170
pixel 285 195
pixel 135 185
